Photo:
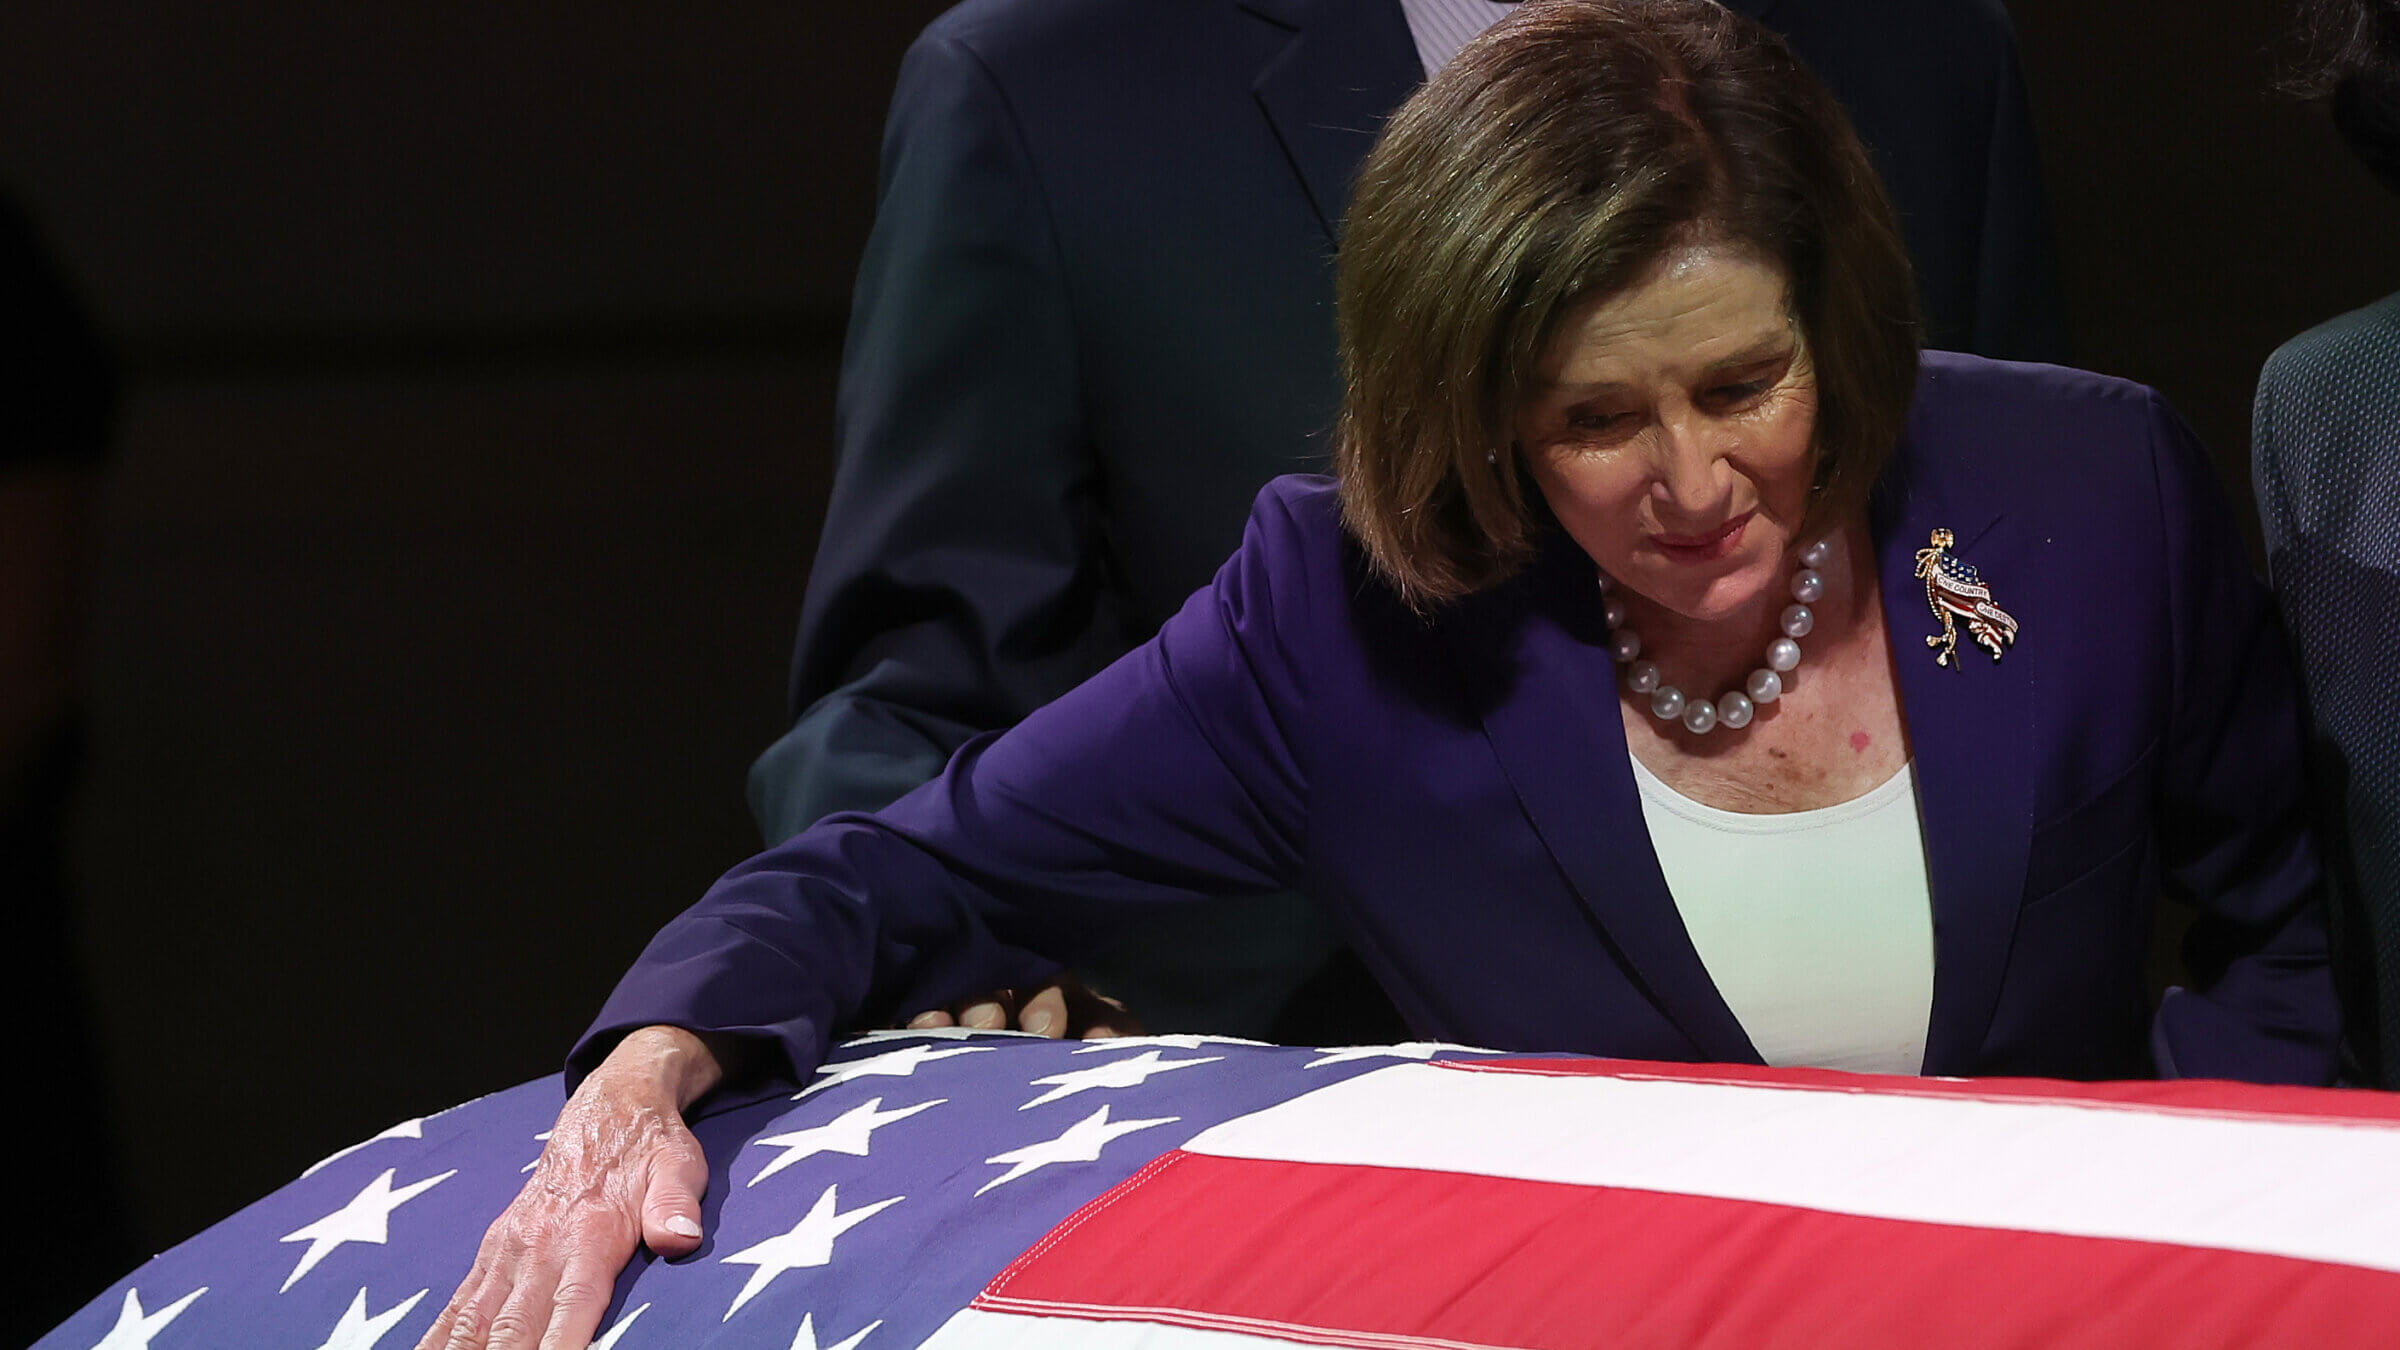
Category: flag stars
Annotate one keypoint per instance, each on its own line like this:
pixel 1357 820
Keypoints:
pixel 407 1129
pixel 806 1337
pixel 891 1064
pixel 357 1331
pixel 1344 1054
pixel 938 1034
pixel 1117 1073
pixel 809 1243
pixel 845 1133
pixel 366 1218
pixel 134 1327
pixel 1177 1041
pixel 1081 1143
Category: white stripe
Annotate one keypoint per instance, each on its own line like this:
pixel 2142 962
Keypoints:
pixel 1279 1332
pixel 976 1330
pixel 2278 1186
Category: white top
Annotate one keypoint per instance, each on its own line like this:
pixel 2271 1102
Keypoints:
pixel 1817 926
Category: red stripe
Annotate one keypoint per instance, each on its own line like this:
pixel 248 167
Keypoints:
pixel 1377 1257
pixel 2188 1095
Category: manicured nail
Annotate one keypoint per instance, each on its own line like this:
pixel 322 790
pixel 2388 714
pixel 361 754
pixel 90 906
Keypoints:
pixel 983 1016
pixel 1038 1021
pixel 681 1225
pixel 922 1020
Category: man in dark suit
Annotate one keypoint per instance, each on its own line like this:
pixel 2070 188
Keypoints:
pixel 2325 463
pixel 1095 314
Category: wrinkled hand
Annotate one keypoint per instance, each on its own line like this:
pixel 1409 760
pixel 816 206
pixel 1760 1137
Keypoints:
pixel 1066 1007
pixel 620 1170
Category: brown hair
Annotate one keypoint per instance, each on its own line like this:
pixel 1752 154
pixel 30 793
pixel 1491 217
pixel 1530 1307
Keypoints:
pixel 1554 160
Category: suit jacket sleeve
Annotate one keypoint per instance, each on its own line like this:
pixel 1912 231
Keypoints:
pixel 1167 778
pixel 2018 313
pixel 958 581
pixel 2232 826
pixel 1936 91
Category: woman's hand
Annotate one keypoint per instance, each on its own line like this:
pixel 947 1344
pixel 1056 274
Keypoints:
pixel 1066 1007
pixel 620 1170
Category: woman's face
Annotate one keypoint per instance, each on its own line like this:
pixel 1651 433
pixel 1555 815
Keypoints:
pixel 1670 426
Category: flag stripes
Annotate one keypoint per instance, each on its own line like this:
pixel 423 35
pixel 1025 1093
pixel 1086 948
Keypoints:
pixel 2243 1181
pixel 1533 1203
pixel 1376 1257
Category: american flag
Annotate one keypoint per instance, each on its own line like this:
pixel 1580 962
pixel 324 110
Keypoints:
pixel 973 1191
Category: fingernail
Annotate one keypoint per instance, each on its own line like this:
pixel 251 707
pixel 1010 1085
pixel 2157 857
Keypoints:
pixel 923 1019
pixel 983 1016
pixel 1038 1021
pixel 681 1225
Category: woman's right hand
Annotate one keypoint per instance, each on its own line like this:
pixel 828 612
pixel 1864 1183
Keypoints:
pixel 620 1170
pixel 1066 1007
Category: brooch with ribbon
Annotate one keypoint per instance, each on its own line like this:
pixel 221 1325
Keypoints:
pixel 1958 595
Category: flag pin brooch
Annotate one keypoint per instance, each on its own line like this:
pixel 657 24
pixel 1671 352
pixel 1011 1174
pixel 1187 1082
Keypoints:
pixel 1958 595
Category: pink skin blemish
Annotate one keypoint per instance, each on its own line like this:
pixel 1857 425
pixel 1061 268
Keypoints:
pixel 1858 741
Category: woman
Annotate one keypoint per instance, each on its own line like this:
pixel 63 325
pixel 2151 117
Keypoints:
pixel 1922 710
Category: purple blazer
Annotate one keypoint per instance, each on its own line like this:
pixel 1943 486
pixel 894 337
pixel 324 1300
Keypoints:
pixel 1457 792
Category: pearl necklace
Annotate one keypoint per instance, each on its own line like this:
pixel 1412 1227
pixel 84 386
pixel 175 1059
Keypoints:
pixel 1735 707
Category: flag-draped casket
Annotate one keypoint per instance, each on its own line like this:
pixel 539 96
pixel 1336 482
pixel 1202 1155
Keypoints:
pixel 972 1191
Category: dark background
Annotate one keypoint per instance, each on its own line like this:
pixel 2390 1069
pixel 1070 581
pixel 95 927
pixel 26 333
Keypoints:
pixel 480 369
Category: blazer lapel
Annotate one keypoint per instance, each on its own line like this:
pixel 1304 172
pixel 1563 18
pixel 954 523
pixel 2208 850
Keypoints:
pixel 1550 714
pixel 1328 89
pixel 1968 724
pixel 1549 711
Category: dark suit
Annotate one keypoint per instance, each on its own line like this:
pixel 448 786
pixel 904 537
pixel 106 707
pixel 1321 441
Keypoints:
pixel 2325 451
pixel 1458 794
pixel 1095 315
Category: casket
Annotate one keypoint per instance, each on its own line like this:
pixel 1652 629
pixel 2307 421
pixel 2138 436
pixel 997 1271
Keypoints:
pixel 958 1190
